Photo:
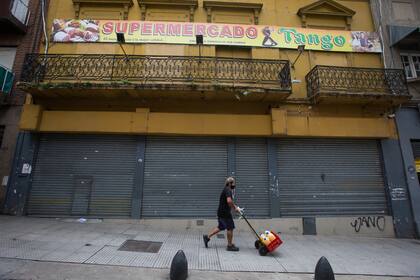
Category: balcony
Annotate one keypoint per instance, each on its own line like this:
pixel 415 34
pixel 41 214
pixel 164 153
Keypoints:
pixel 331 84
pixel 144 75
pixel 14 16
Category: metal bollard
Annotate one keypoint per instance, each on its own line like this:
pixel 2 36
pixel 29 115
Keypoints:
pixel 179 266
pixel 323 270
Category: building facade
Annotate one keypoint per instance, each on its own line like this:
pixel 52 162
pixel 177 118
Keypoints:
pixel 291 98
pixel 19 33
pixel 399 23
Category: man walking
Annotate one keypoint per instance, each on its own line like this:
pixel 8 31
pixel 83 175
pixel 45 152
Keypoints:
pixel 224 215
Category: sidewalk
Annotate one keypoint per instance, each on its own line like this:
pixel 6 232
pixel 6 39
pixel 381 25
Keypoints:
pixel 12 269
pixel 97 243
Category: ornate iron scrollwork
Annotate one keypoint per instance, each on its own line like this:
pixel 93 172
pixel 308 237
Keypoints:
pixel 356 80
pixel 94 67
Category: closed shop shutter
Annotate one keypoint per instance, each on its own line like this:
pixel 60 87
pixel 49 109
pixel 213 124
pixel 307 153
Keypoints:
pixel 89 175
pixel 252 176
pixel 183 176
pixel 330 177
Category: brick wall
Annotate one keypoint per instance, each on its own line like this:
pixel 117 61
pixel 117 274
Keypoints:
pixel 10 114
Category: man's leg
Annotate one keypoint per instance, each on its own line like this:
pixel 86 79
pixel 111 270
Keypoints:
pixel 215 231
pixel 230 228
pixel 230 237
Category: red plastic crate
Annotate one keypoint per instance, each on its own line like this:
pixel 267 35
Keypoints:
pixel 275 243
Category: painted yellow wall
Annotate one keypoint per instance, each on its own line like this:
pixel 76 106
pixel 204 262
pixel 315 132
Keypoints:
pixel 280 123
pixel 187 117
pixel 274 12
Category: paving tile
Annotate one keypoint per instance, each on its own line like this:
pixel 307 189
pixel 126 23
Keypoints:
pixel 165 255
pixel 9 252
pixel 56 256
pixel 122 258
pixel 29 254
pixel 102 239
pixel 144 260
pixel 208 259
pixel 103 256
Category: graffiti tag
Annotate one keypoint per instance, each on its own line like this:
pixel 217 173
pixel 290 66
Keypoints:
pixel 374 222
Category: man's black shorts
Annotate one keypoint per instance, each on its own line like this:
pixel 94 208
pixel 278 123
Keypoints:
pixel 226 223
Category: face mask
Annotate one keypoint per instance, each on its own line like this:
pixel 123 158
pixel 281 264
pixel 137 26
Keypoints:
pixel 232 187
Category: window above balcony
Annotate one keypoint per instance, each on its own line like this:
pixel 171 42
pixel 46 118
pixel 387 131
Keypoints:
pixel 411 64
pixel 314 15
pixel 20 10
pixel 102 9
pixel 166 10
pixel 232 12
pixel 14 15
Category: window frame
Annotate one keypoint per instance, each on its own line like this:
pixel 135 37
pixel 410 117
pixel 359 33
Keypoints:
pixel 411 64
pixel 20 10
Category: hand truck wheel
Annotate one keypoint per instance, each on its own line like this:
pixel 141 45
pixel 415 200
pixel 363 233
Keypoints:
pixel 257 244
pixel 263 251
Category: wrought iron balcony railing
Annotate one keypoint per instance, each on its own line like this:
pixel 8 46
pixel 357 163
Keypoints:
pixel 52 68
pixel 361 81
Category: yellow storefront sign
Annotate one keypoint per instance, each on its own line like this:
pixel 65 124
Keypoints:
pixel 215 34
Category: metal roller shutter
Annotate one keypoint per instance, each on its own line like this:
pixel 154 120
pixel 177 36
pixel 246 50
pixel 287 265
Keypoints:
pixel 90 175
pixel 330 177
pixel 252 176
pixel 183 176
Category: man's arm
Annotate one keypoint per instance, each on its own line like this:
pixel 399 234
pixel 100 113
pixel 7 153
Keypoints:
pixel 231 204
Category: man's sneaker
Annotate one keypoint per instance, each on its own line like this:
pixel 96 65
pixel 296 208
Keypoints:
pixel 206 240
pixel 232 248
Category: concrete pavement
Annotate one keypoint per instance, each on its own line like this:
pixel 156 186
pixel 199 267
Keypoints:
pixel 96 242
pixel 25 270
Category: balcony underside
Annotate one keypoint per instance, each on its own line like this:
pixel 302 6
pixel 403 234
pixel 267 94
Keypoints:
pixel 358 98
pixel 151 90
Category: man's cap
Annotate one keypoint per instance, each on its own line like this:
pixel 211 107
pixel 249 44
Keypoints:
pixel 229 180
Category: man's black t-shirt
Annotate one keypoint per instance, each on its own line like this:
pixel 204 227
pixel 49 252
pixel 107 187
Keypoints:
pixel 224 208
